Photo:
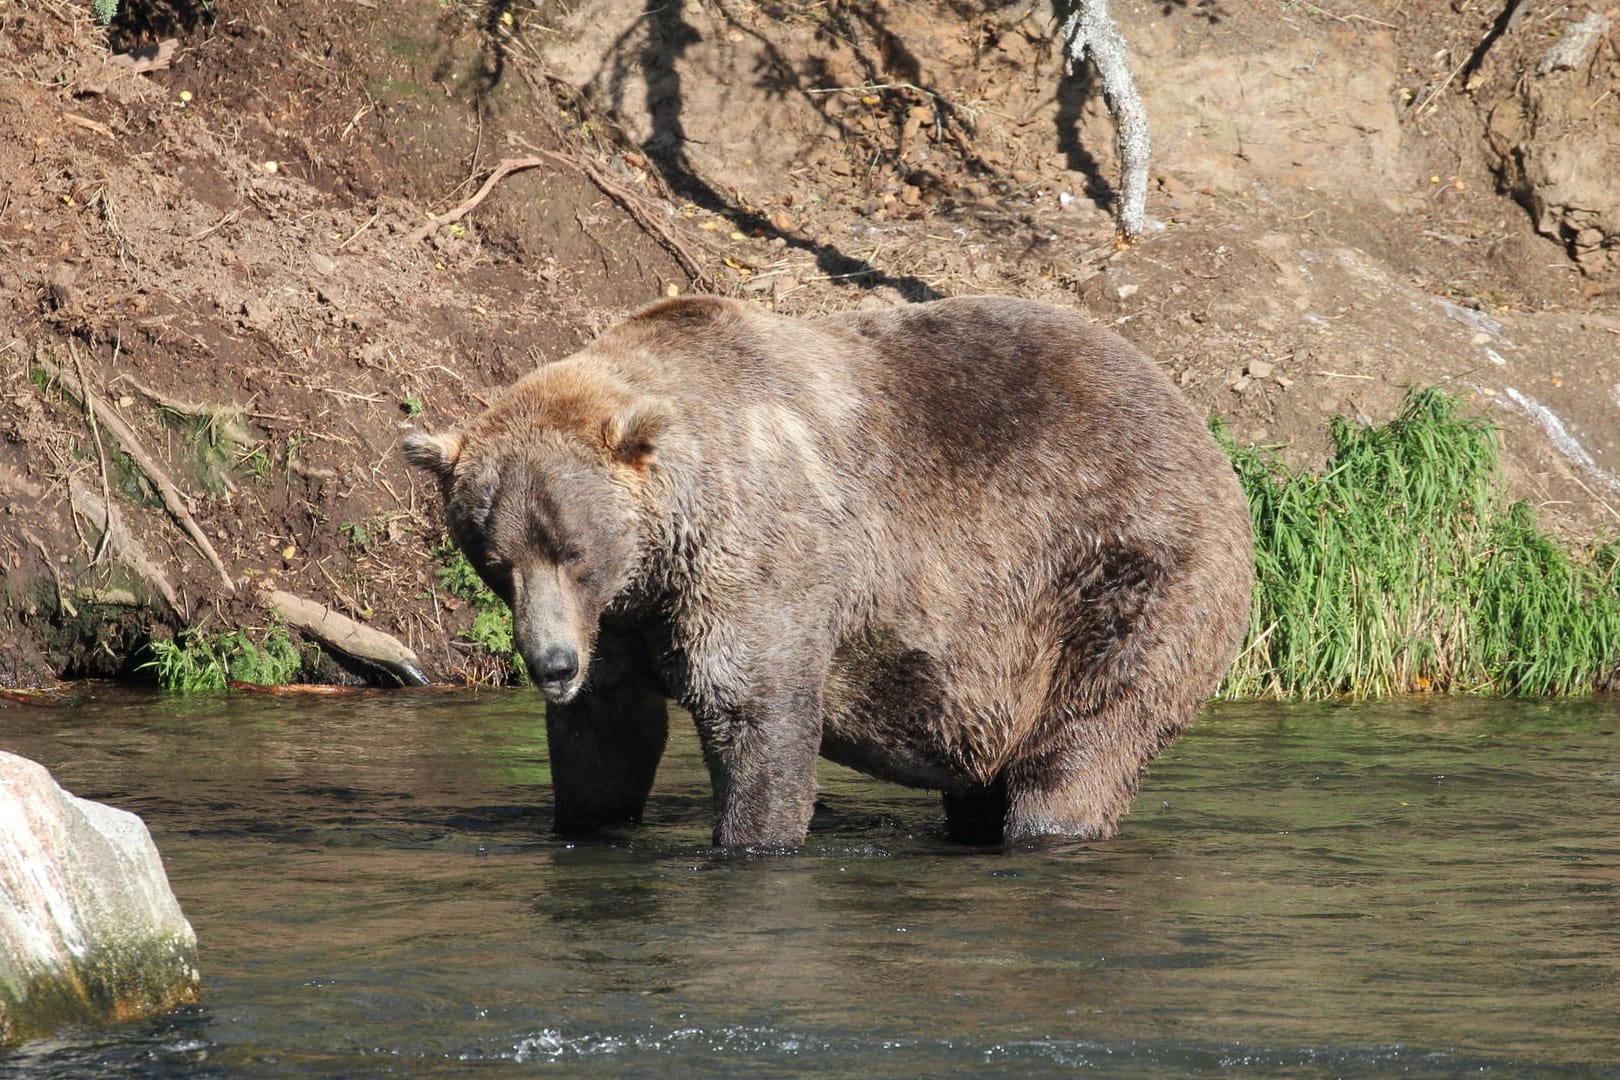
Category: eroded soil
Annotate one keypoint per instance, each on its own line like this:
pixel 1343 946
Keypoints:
pixel 233 250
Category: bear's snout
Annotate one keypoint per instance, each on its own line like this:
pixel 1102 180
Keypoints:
pixel 553 670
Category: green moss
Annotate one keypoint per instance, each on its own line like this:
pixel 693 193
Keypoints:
pixel 219 445
pixel 115 981
pixel 1401 567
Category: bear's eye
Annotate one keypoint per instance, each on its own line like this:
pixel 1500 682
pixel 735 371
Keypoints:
pixel 569 556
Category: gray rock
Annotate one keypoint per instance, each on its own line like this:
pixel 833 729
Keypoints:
pixel 89 929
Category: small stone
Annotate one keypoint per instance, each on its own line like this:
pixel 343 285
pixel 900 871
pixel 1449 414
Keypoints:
pixel 1261 369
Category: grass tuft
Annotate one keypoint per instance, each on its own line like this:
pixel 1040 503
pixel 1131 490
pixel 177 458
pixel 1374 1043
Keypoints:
pixel 491 631
pixel 196 661
pixel 1402 568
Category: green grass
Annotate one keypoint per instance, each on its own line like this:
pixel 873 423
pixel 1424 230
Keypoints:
pixel 1401 567
pixel 491 628
pixel 196 660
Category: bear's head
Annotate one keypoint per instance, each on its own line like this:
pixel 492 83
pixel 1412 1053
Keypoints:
pixel 545 494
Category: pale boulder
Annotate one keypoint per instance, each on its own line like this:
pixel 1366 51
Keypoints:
pixel 89 929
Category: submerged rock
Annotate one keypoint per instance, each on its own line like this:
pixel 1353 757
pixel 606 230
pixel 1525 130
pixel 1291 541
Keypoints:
pixel 89 929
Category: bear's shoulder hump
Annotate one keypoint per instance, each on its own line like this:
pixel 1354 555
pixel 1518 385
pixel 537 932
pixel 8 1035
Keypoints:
pixel 687 311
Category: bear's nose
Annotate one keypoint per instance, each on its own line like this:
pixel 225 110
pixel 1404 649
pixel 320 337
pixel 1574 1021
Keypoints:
pixel 555 665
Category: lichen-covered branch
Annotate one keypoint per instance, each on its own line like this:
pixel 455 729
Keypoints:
pixel 1089 30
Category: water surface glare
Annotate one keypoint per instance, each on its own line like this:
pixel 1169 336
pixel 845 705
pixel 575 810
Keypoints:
pixel 1427 888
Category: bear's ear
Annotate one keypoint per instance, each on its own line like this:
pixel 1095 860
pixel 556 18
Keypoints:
pixel 435 453
pixel 632 433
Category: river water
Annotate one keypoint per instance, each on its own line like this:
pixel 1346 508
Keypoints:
pixel 1422 888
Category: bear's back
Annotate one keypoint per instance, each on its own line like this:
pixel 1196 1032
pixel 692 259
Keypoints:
pixel 986 382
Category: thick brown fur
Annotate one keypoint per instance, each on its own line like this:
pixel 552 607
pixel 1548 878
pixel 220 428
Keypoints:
pixel 976 545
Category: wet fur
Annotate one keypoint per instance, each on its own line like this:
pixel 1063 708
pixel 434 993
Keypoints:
pixel 976 545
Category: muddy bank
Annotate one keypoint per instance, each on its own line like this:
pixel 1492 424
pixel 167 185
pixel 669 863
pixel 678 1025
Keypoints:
pixel 225 252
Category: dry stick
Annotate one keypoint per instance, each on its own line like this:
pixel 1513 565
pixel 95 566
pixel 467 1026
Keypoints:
pixel 230 216
pixel 173 501
pixel 1434 95
pixel 632 205
pixel 625 199
pixel 337 631
pixel 506 165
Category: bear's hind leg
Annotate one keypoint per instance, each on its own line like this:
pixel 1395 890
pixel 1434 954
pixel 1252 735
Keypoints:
pixel 1134 661
pixel 1080 789
pixel 605 746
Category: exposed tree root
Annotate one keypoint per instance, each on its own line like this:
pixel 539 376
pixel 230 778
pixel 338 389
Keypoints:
pixel 173 500
pixel 116 539
pixel 227 419
pixel 1089 30
pixel 507 165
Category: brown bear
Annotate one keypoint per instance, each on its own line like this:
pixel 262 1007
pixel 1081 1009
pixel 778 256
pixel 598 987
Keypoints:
pixel 976 545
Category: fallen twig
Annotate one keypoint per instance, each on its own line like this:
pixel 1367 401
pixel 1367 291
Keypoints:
pixel 649 217
pixel 47 697
pixel 173 500
pixel 88 124
pixel 507 165
pixel 230 216
pixel 350 238
pixel 295 688
pixel 339 632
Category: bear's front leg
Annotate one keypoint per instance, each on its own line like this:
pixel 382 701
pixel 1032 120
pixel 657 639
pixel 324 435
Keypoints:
pixel 605 746
pixel 762 761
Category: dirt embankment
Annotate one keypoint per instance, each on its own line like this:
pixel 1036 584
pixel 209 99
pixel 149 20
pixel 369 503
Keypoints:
pixel 214 280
